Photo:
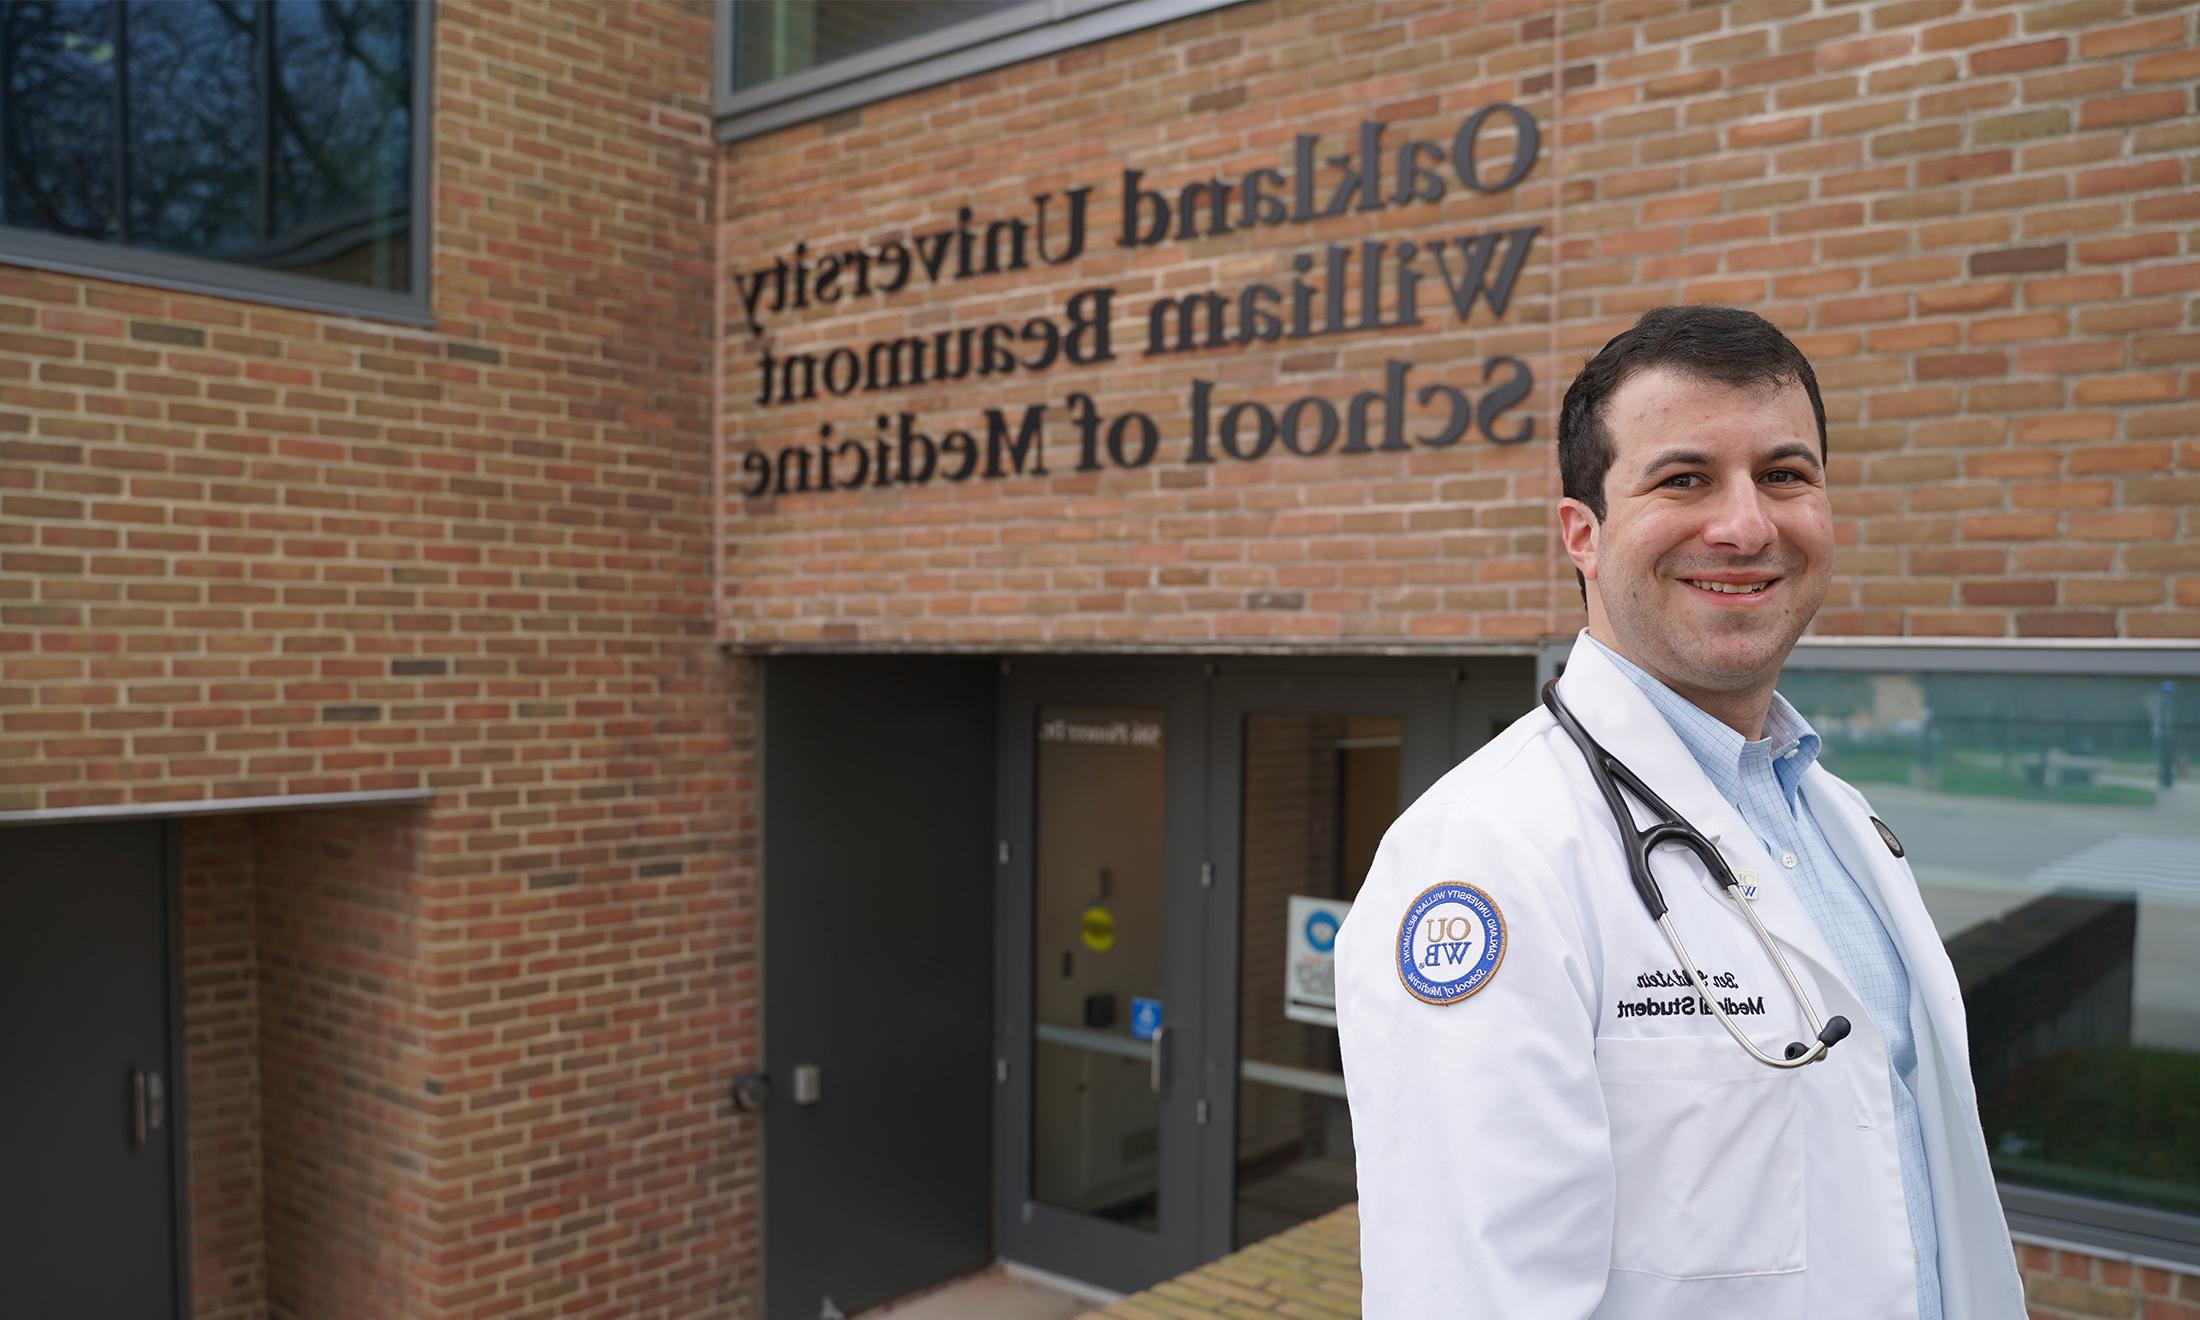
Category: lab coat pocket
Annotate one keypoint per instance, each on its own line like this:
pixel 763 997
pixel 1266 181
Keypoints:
pixel 1707 1156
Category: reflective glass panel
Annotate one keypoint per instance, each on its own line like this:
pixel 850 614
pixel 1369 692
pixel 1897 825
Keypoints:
pixel 194 147
pixel 2054 828
pixel 1319 790
pixel 59 127
pixel 341 127
pixel 275 134
pixel 1096 961
pixel 775 38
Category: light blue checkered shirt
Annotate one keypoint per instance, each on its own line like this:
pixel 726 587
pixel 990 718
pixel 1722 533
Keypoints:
pixel 1761 779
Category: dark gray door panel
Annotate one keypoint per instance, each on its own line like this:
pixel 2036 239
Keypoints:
pixel 878 972
pixel 89 1112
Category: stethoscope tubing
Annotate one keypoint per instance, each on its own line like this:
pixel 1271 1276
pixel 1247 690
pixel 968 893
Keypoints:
pixel 1604 768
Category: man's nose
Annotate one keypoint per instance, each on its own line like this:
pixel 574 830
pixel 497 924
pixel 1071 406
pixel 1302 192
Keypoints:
pixel 1738 521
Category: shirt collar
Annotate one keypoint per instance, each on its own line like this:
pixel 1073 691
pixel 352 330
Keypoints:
pixel 1788 748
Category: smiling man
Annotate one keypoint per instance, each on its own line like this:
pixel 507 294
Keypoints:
pixel 1735 1083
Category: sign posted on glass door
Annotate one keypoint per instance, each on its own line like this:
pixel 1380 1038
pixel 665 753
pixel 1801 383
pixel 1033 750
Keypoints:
pixel 1309 965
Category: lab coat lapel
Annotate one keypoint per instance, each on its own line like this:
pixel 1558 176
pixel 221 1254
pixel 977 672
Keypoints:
pixel 1892 890
pixel 1618 715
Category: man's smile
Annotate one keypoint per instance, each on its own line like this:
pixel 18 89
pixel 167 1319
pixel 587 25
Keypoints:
pixel 1733 588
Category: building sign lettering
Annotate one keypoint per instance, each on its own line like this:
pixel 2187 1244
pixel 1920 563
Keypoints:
pixel 1337 290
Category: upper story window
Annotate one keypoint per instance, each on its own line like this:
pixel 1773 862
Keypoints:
pixel 782 62
pixel 265 147
pixel 774 38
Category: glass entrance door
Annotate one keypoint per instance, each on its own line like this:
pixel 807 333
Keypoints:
pixel 1309 770
pixel 1179 843
pixel 1100 918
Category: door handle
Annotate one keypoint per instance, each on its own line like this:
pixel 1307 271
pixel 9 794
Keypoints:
pixel 148 1098
pixel 1159 1079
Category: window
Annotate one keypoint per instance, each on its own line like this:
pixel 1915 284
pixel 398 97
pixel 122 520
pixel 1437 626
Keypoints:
pixel 782 62
pixel 774 38
pixel 272 148
pixel 2053 822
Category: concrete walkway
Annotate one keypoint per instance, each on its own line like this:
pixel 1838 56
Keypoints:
pixel 1311 1272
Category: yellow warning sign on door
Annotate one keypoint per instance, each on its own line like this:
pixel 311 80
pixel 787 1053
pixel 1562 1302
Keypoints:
pixel 1098 928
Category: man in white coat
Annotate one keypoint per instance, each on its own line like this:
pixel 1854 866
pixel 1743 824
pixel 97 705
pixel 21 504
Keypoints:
pixel 1550 1122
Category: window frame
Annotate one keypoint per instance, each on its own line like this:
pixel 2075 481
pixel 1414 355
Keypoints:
pixel 2141 657
pixel 976 45
pixel 2035 1214
pixel 223 279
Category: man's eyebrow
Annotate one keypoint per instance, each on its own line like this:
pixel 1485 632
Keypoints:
pixel 1676 458
pixel 1793 449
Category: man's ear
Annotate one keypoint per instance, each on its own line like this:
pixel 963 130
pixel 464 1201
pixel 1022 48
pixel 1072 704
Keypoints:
pixel 1578 529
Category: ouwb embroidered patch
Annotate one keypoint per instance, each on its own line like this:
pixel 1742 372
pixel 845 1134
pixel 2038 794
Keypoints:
pixel 1450 943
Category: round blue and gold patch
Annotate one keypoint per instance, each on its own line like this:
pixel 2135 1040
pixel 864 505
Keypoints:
pixel 1450 943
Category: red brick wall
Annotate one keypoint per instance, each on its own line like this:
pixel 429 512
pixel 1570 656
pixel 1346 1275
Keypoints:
pixel 245 550
pixel 348 1093
pixel 2069 1285
pixel 1978 219
pixel 221 1017
pixel 1979 223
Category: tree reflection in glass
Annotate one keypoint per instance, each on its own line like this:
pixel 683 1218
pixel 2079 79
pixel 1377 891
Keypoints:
pixel 57 126
pixel 271 133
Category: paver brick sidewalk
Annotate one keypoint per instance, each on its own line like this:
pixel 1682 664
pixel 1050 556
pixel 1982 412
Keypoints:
pixel 1311 1272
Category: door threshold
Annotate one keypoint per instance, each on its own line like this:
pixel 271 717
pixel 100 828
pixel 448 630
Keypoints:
pixel 1091 1292
pixel 1002 1291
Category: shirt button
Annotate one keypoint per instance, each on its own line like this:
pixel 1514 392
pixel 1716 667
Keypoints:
pixel 1788 860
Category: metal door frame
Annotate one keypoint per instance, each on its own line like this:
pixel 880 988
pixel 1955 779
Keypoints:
pixel 1455 704
pixel 179 1121
pixel 1420 694
pixel 1030 1232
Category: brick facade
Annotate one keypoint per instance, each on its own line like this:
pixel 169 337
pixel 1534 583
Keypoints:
pixel 221 1017
pixel 1977 219
pixel 348 1086
pixel 468 1059
pixel 2066 1285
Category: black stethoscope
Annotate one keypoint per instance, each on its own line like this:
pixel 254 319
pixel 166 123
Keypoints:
pixel 1670 828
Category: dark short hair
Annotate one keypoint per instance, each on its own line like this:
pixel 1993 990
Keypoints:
pixel 1726 345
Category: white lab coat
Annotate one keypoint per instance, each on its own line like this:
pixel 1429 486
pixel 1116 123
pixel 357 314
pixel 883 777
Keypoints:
pixel 1529 1153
